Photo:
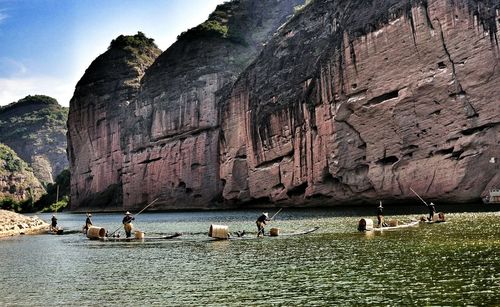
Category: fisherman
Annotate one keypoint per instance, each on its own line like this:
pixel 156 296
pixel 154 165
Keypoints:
pixel 261 221
pixel 432 210
pixel 127 224
pixel 380 214
pixel 88 223
pixel 54 222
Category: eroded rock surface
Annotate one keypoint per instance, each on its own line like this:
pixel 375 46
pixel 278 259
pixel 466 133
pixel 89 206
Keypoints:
pixel 358 102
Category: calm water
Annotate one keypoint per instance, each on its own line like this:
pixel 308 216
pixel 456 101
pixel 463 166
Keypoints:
pixel 456 263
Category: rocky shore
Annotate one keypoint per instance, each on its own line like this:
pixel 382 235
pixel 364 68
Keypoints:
pixel 12 224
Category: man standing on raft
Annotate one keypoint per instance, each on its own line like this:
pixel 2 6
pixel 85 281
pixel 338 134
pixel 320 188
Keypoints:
pixel 380 214
pixel 261 221
pixel 127 224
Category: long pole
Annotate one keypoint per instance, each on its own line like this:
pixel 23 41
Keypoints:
pixel 419 197
pixel 136 214
pixel 276 213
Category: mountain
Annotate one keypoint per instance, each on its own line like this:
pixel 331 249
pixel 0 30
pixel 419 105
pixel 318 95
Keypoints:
pixel 17 181
pixel 344 102
pixel 35 128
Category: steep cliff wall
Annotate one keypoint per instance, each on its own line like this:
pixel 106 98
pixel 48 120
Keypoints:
pixel 360 100
pixel 172 141
pixel 98 108
pixel 35 128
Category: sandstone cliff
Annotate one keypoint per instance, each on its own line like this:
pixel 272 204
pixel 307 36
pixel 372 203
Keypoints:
pixel 98 108
pixel 165 144
pixel 355 101
pixel 350 101
pixel 35 128
pixel 17 181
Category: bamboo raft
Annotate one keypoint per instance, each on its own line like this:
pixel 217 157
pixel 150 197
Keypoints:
pixel 136 239
pixel 411 224
pixel 252 236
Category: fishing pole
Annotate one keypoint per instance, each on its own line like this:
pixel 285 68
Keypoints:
pixel 419 197
pixel 136 214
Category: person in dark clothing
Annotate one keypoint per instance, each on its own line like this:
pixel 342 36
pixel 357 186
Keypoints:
pixel 127 224
pixel 380 215
pixel 432 210
pixel 261 221
pixel 88 223
pixel 54 222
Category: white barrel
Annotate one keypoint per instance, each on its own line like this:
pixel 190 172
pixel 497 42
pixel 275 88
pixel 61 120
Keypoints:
pixel 96 232
pixel 365 225
pixel 218 231
pixel 139 234
pixel 274 232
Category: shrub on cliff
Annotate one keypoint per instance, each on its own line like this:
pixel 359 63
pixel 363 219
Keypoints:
pixel 138 41
pixel 50 198
pixel 9 161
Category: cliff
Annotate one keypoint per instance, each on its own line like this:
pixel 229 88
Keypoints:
pixel 98 108
pixel 35 128
pixel 165 143
pixel 356 101
pixel 348 102
pixel 17 181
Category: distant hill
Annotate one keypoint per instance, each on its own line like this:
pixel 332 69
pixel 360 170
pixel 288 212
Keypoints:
pixel 17 181
pixel 35 128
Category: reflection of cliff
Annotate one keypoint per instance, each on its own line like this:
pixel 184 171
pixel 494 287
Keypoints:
pixel 35 128
pixel 348 102
pixel 352 108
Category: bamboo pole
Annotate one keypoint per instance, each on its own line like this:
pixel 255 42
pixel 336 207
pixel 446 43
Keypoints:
pixel 136 214
pixel 419 197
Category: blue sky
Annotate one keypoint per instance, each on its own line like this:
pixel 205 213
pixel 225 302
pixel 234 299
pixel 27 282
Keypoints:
pixel 46 45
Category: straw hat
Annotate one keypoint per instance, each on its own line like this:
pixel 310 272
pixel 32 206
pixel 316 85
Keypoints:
pixel 127 213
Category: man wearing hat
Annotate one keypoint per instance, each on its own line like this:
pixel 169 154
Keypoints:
pixel 432 210
pixel 261 221
pixel 127 224
pixel 380 214
pixel 88 223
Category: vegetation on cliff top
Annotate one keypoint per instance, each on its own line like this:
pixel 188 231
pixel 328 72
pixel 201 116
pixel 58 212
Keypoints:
pixel 35 119
pixel 217 26
pixel 139 44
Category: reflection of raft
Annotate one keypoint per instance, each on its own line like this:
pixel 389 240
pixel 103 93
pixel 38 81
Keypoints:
pixel 411 224
pixel 139 239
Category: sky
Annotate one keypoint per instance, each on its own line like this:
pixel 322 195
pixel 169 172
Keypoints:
pixel 46 45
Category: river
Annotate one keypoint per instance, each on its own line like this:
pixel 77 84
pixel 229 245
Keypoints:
pixel 452 263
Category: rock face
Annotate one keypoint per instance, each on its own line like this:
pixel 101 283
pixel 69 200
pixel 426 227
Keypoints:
pixel 17 180
pixel 356 101
pixel 97 110
pixel 350 101
pixel 169 138
pixel 35 128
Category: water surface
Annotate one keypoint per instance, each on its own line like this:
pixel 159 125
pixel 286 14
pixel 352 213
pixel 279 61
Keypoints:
pixel 455 263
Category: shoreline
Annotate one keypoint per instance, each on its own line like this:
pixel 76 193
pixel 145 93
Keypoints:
pixel 14 224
